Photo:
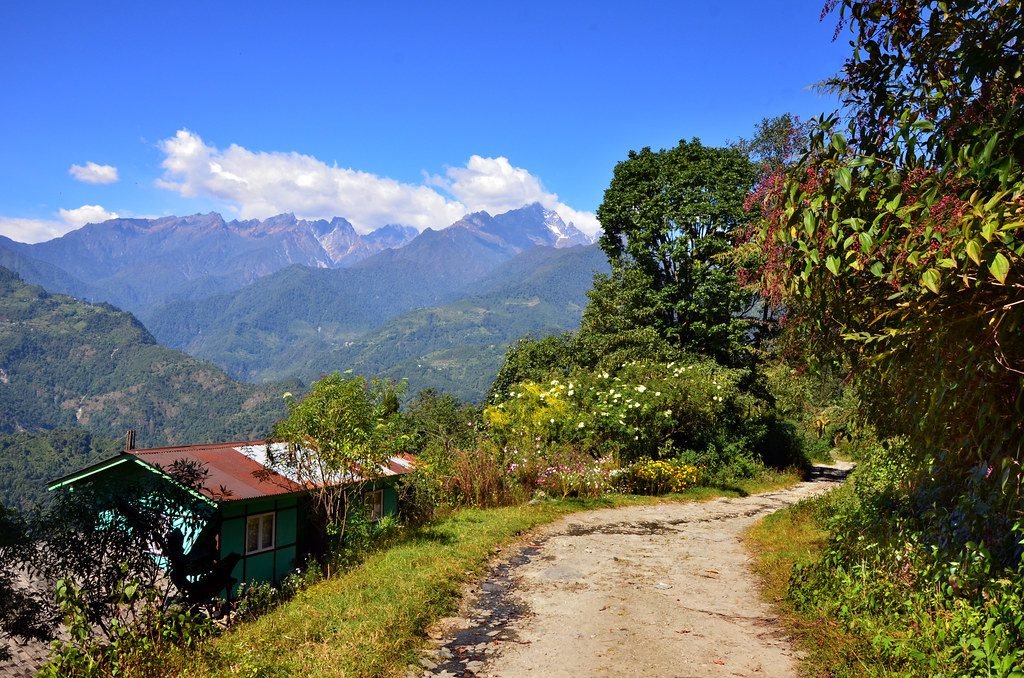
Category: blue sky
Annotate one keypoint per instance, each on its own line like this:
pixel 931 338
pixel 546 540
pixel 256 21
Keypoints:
pixel 380 112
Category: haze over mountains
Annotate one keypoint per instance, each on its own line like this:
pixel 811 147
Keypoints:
pixel 287 297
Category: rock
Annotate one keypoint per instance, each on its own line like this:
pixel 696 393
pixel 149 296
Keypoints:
pixel 445 652
pixel 662 585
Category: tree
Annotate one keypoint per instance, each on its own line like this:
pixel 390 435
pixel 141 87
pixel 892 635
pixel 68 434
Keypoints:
pixel 896 242
pixel 671 215
pixel 438 423
pixel 340 436
pixel 24 613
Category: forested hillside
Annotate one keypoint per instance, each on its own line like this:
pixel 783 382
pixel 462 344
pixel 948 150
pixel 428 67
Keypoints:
pixel 440 311
pixel 459 347
pixel 64 362
pixel 28 461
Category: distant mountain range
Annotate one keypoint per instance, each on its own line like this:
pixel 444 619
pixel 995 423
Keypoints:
pixel 137 264
pixel 286 297
pixel 305 322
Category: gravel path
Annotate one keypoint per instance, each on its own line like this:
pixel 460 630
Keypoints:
pixel 640 591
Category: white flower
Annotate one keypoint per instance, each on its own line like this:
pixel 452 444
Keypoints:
pixel 552 420
pixel 580 425
pixel 668 413
pixel 641 388
pixel 657 393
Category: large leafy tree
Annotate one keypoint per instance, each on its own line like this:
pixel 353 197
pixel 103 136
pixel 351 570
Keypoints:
pixel 895 239
pixel 340 436
pixel 669 216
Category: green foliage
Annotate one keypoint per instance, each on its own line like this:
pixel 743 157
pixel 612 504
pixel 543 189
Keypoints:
pixel 896 242
pixel 136 642
pixel 648 476
pixel 671 214
pixel 926 576
pixel 340 436
pixel 65 362
pixel 103 533
pixel 693 409
pixel 28 461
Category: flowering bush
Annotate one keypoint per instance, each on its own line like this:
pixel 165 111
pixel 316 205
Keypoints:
pixel 647 476
pixel 633 412
pixel 574 474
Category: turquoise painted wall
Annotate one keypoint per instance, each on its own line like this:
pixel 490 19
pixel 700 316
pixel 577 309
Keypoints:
pixel 267 566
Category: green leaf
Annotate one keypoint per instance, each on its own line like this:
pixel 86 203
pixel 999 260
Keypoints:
pixel 832 264
pixel 865 242
pixel 844 178
pixel 877 269
pixel 986 153
pixel 974 251
pixel 809 222
pixel 932 279
pixel 999 267
pixel 839 142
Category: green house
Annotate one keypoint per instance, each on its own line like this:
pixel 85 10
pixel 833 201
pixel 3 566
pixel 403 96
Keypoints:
pixel 251 513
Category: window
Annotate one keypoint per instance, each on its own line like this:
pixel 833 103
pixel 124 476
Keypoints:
pixel 259 533
pixel 375 501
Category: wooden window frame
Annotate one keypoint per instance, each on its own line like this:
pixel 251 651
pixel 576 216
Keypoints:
pixel 258 518
pixel 371 496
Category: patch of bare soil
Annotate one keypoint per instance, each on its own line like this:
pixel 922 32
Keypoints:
pixel 660 590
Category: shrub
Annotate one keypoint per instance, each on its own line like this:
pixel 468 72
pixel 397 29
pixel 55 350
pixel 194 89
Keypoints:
pixel 574 474
pixel 648 476
pixel 925 568
pixel 134 644
pixel 478 478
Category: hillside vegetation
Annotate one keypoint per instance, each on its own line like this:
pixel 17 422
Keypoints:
pixel 439 312
pixel 64 362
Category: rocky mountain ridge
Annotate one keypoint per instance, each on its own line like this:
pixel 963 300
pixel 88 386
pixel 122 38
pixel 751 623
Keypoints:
pixel 137 264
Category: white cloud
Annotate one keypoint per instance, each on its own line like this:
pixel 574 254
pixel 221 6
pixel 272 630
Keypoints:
pixel 39 230
pixel 86 214
pixel 91 173
pixel 261 184
pixel 258 184
pixel 495 185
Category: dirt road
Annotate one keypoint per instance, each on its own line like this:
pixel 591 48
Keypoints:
pixel 641 591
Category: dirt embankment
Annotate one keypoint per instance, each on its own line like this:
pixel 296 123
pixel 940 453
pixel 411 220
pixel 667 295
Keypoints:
pixel 660 590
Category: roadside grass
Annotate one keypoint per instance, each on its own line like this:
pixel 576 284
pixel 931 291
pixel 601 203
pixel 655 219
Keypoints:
pixel 371 620
pixel 788 537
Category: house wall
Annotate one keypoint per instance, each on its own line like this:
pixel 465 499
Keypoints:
pixel 268 566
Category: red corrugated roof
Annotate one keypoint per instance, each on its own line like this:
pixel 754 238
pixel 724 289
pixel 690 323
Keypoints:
pixel 234 475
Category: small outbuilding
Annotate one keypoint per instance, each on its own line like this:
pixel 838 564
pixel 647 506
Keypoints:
pixel 254 519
